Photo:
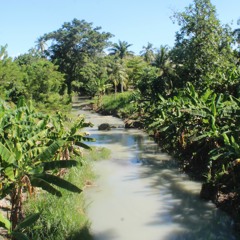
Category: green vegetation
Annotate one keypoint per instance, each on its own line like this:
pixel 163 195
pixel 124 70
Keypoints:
pixel 65 218
pixel 121 105
pixel 62 218
pixel 34 147
pixel 73 45
pixel 186 96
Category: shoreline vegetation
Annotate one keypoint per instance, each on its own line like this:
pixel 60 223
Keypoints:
pixel 186 96
pixel 65 218
pixel 221 191
pixel 45 166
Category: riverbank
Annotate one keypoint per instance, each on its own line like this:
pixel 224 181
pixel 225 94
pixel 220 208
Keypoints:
pixel 223 196
pixel 65 217
pixel 141 193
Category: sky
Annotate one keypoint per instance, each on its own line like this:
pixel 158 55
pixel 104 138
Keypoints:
pixel 138 22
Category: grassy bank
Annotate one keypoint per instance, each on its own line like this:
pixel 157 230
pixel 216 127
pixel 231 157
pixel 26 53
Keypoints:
pixel 200 130
pixel 65 218
pixel 121 104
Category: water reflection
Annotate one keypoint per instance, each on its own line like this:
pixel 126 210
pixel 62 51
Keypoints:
pixel 142 195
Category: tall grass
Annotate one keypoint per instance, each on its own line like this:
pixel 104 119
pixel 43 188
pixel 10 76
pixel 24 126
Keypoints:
pixel 121 104
pixel 65 218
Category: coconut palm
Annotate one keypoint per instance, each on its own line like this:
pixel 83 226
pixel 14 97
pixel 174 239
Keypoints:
pixel 118 74
pixel 148 53
pixel 236 32
pixel 41 45
pixel 162 61
pixel 120 49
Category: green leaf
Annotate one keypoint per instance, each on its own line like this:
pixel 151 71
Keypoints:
pixel 195 139
pixel 59 182
pixel 39 182
pixel 10 173
pixel 19 236
pixel 4 222
pixel 83 145
pixel 32 140
pixel 6 155
pixel 21 102
pixel 206 95
pixel 59 164
pixel 28 221
pixel 213 125
pixel 213 107
pixel 80 138
pixel 226 139
pixel 216 156
pixel 50 151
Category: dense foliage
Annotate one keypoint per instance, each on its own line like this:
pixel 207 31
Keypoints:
pixel 187 96
pixel 33 147
pixel 73 45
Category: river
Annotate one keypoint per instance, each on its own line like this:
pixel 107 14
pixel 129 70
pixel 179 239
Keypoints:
pixel 140 193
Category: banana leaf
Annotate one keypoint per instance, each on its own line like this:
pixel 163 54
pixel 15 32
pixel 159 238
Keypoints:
pixel 28 221
pixel 83 145
pixel 50 151
pixel 6 155
pixel 4 222
pixel 59 182
pixel 59 164
pixel 39 182
pixel 19 236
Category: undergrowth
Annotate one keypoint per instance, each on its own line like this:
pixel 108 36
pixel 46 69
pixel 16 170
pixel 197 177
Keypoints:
pixel 121 104
pixel 65 218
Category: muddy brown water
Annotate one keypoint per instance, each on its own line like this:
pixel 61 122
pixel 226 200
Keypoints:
pixel 140 193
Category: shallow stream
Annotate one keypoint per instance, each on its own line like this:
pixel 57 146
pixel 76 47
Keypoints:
pixel 140 193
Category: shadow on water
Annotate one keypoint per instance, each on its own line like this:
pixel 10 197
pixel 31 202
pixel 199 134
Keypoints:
pixel 182 205
pixel 197 218
pixel 178 196
pixel 106 235
pixel 82 234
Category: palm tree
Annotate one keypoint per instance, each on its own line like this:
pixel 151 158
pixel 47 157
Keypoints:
pixel 41 45
pixel 118 75
pixel 162 61
pixel 101 85
pixel 120 49
pixel 148 53
pixel 236 32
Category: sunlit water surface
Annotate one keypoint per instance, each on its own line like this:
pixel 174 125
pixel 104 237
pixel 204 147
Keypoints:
pixel 140 194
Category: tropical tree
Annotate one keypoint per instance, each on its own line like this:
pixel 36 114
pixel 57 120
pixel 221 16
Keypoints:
pixel 236 32
pixel 91 72
pixel 162 60
pixel 72 44
pixel 135 68
pixel 148 53
pixel 118 74
pixel 41 45
pixel 11 77
pixel 33 147
pixel 42 80
pixel 120 49
pixel 203 52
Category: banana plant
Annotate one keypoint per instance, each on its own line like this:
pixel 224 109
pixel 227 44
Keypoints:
pixel 73 136
pixel 33 149
pixel 191 124
pixel 17 232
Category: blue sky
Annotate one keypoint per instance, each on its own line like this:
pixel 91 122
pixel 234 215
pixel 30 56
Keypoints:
pixel 135 21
